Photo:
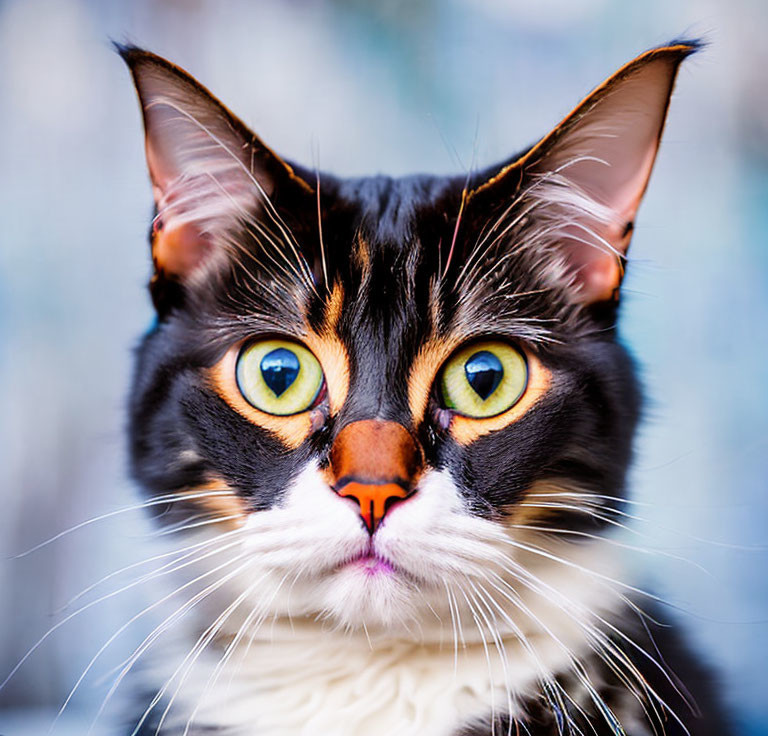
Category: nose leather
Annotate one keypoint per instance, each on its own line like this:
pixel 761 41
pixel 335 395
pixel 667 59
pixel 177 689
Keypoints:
pixel 374 500
pixel 375 463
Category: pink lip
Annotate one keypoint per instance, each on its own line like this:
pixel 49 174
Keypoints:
pixel 372 564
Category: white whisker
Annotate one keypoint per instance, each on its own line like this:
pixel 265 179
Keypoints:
pixel 156 501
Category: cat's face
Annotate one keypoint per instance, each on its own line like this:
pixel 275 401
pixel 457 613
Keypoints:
pixel 374 398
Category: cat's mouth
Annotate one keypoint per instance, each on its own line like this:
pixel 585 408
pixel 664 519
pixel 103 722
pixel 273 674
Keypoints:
pixel 370 563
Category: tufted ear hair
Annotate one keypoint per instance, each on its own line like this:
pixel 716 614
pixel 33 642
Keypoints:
pixel 208 171
pixel 586 178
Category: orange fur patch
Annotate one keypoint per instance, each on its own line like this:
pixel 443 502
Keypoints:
pixel 330 351
pixel 362 256
pixel 424 370
pixel 178 251
pixel 539 502
pixel 229 507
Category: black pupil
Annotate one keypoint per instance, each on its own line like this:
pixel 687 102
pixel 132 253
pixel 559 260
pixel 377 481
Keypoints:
pixel 484 373
pixel 279 369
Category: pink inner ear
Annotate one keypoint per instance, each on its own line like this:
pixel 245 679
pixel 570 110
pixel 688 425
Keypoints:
pixel 180 250
pixel 604 157
pixel 597 274
pixel 201 184
pixel 200 166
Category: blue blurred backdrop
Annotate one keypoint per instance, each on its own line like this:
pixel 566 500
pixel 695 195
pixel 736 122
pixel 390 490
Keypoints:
pixel 356 87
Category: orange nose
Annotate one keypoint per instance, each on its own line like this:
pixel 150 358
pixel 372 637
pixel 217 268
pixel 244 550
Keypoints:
pixel 374 500
pixel 376 464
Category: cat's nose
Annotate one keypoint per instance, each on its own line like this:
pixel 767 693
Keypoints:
pixel 376 463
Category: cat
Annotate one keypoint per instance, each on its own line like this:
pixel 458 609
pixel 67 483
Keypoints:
pixel 391 422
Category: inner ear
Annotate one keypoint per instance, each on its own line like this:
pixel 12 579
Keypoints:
pixel 209 172
pixel 584 181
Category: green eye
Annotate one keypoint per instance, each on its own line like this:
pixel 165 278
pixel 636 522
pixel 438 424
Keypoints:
pixel 484 379
pixel 279 377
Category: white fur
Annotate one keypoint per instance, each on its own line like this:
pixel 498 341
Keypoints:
pixel 333 649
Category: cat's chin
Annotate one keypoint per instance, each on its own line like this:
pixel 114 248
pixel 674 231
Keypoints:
pixel 368 591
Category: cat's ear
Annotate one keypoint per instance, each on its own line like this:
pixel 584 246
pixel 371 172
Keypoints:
pixel 208 170
pixel 585 179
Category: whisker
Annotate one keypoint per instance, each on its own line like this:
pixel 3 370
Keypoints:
pixel 122 628
pixel 256 628
pixel 213 678
pixel 163 627
pixel 587 511
pixel 588 495
pixel 456 229
pixel 157 501
pixel 598 496
pixel 484 643
pixel 552 689
pixel 455 632
pixel 87 606
pixel 500 649
pixel 550 686
pixel 593 573
pixel 605 646
pixel 575 662
pixel 182 551
pixel 191 658
pixel 199 524
pixel 320 231
pixel 612 542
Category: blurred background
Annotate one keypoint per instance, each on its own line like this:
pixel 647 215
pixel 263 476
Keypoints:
pixel 359 87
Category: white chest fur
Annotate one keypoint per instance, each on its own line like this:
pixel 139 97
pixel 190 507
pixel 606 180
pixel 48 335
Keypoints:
pixel 335 685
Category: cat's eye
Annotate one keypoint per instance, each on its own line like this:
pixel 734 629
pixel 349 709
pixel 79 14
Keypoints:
pixel 484 379
pixel 278 376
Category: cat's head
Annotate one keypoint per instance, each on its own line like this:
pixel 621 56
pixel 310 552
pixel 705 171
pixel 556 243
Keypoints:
pixel 364 398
